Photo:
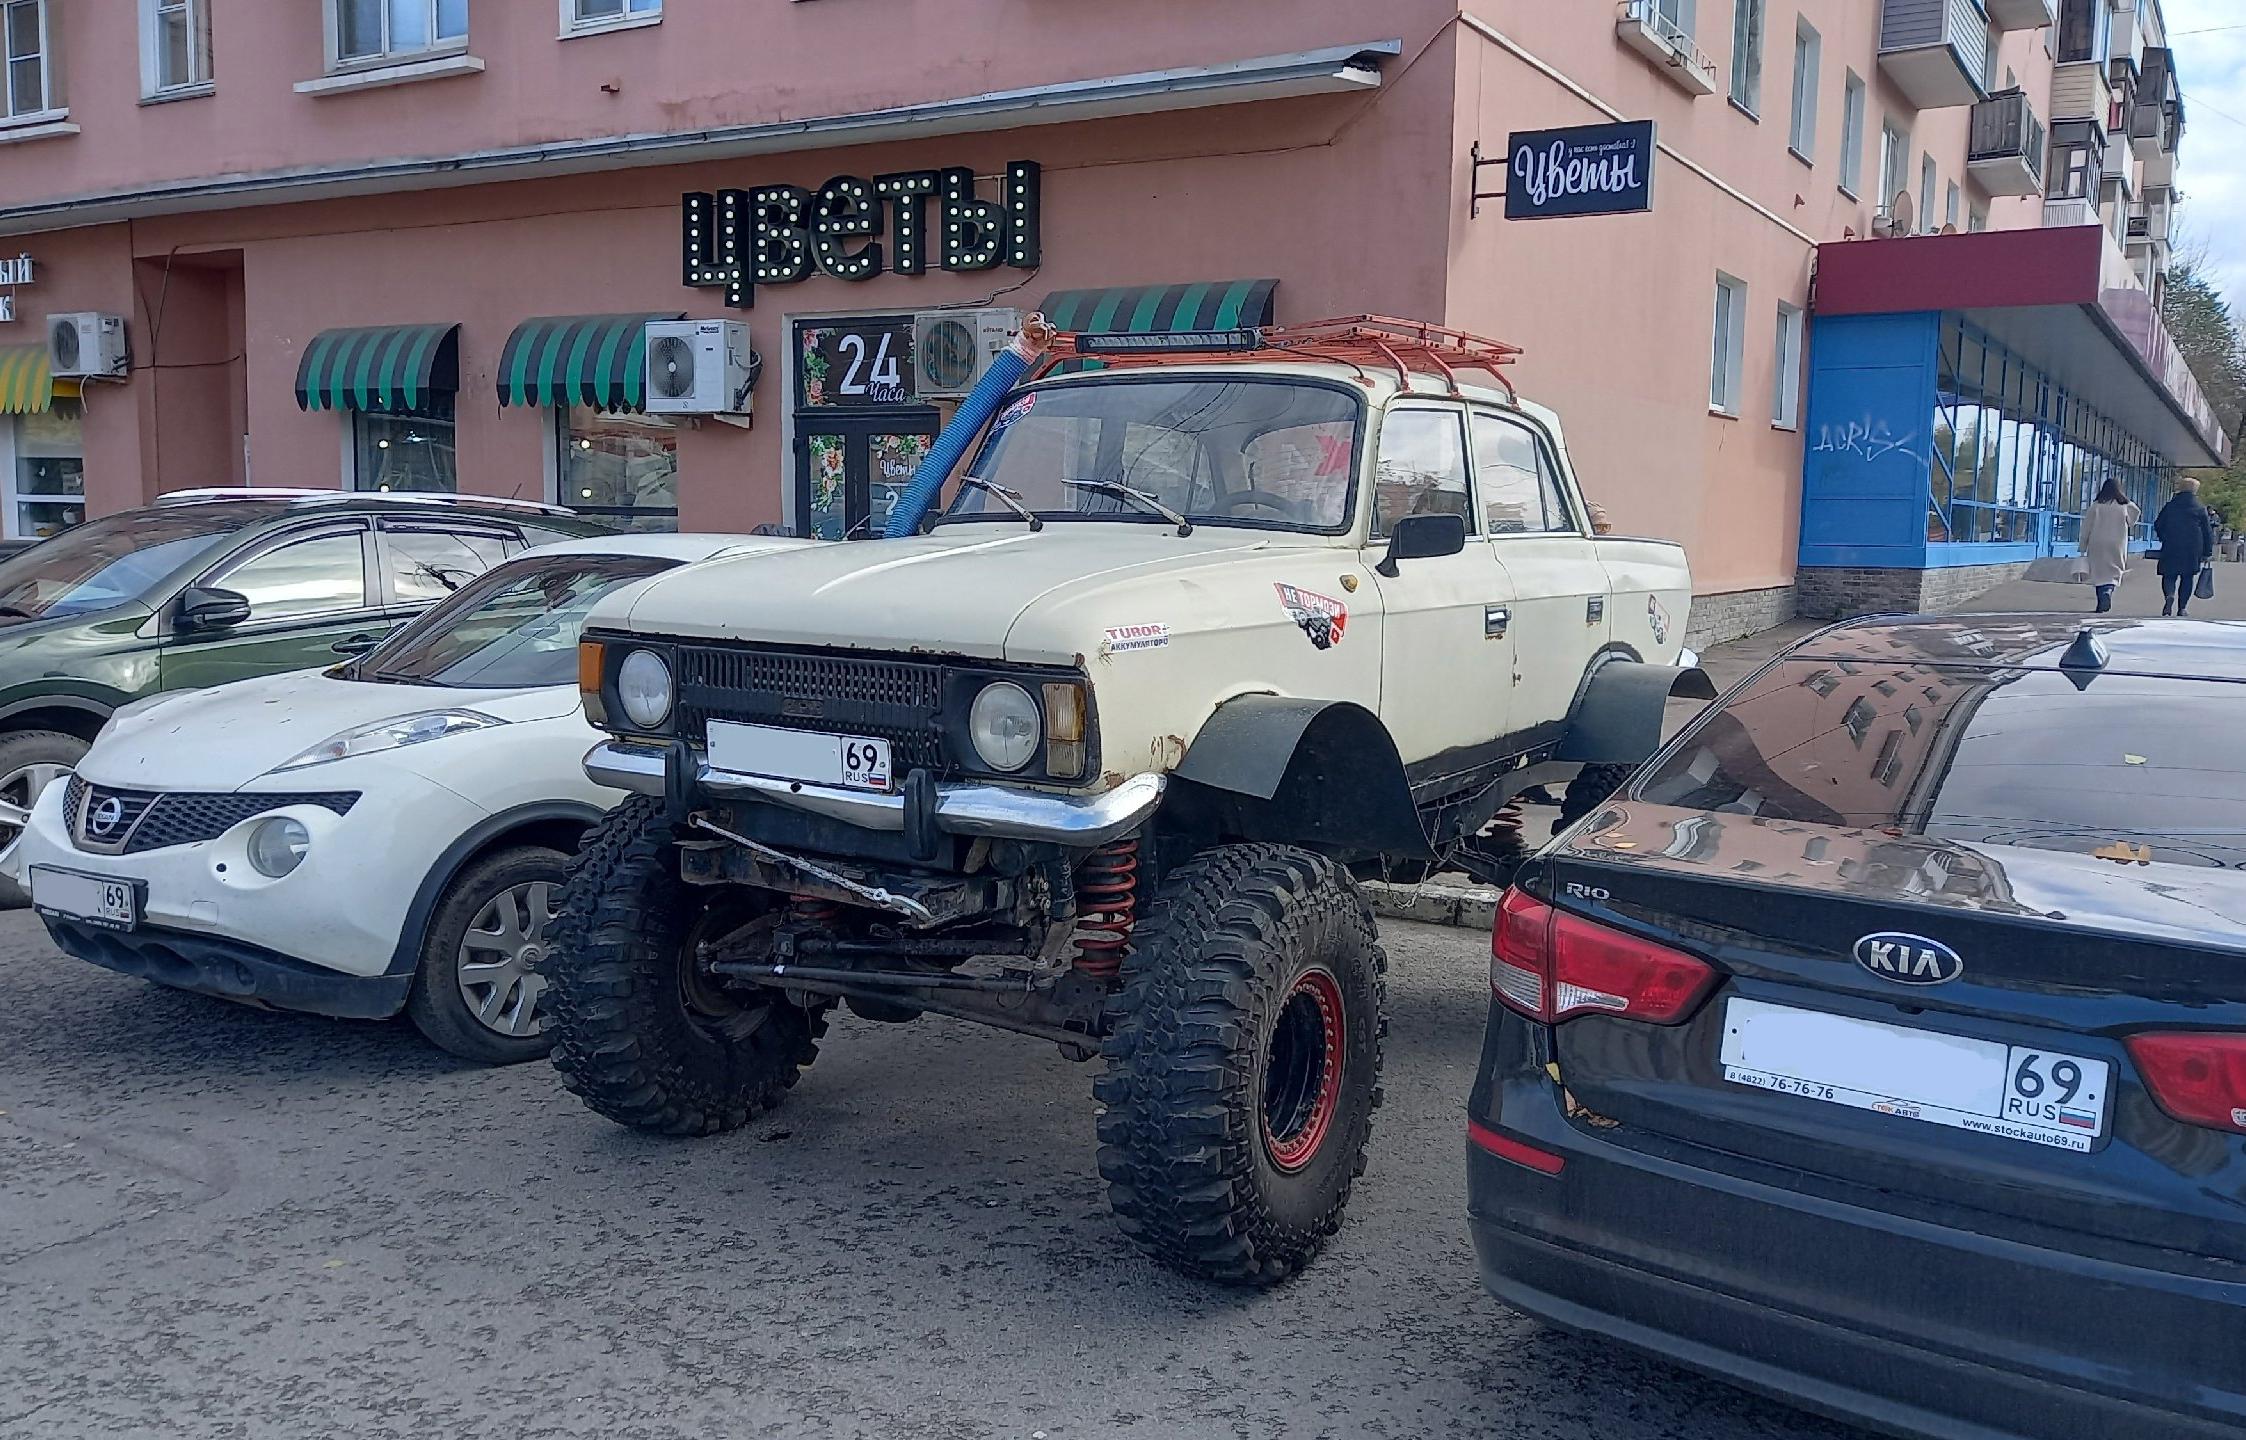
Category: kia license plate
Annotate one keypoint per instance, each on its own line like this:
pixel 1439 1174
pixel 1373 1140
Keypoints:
pixel 2017 1091
pixel 856 762
pixel 95 899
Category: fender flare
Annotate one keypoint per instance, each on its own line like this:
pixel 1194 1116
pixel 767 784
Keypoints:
pixel 1322 772
pixel 1617 717
pixel 447 865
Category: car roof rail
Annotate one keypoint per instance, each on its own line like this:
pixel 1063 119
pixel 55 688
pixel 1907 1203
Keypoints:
pixel 209 494
pixel 219 493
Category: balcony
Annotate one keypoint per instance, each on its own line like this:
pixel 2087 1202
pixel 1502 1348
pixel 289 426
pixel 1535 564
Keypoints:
pixel 1640 25
pixel 2082 91
pixel 2023 14
pixel 2155 110
pixel 1933 50
pixel 2058 214
pixel 2006 146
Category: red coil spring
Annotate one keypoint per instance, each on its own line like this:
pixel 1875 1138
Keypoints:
pixel 1507 824
pixel 812 910
pixel 1107 890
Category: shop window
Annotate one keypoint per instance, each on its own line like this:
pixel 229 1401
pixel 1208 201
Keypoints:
pixel 1801 133
pixel 1785 409
pixel 608 14
pixel 320 575
pixel 1726 360
pixel 622 469
pixel 25 28
pixel 375 31
pixel 175 47
pixel 47 483
pixel 1422 468
pixel 1746 55
pixel 404 452
pixel 1514 478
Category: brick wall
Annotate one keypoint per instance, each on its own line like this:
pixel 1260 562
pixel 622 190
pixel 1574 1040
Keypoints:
pixel 1837 594
pixel 1736 614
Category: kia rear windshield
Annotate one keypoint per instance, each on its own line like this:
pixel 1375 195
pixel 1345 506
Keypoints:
pixel 106 562
pixel 513 628
pixel 2127 768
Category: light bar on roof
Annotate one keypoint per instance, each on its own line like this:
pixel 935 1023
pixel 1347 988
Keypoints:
pixel 1170 342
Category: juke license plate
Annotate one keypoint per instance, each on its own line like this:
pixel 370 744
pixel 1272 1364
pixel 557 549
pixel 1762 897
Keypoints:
pixel 94 899
pixel 855 762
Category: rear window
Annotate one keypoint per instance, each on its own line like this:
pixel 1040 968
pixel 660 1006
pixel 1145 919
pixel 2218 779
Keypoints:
pixel 2133 769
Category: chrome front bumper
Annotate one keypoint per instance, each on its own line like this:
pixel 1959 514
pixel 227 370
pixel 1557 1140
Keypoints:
pixel 967 809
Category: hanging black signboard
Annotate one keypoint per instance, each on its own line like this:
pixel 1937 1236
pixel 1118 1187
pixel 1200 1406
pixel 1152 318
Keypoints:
pixel 1582 170
pixel 855 364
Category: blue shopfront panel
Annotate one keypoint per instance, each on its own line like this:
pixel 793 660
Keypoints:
pixel 1868 440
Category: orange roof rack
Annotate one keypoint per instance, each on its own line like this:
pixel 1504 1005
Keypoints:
pixel 1360 341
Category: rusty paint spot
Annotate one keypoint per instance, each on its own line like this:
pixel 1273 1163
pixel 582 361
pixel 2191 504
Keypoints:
pixel 1169 752
pixel 1111 779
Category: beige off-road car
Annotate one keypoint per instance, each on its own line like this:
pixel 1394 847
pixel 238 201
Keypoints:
pixel 1199 637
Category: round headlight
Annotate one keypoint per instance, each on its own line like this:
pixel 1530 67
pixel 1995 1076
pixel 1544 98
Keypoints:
pixel 643 686
pixel 1005 726
pixel 277 846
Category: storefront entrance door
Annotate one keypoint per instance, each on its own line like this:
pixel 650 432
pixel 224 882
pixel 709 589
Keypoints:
pixel 861 430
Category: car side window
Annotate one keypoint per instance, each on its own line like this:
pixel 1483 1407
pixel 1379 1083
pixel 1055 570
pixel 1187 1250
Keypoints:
pixel 318 575
pixel 1521 494
pixel 1421 469
pixel 427 565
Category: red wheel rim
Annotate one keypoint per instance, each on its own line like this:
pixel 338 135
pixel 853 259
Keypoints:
pixel 1302 1076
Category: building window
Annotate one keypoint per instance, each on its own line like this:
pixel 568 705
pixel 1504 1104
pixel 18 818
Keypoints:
pixel 2076 150
pixel 607 14
pixel 2085 31
pixel 1785 409
pixel 46 481
pixel 1929 181
pixel 1978 222
pixel 404 452
pixel 1730 338
pixel 30 90
pixel 1953 209
pixel 1852 134
pixel 1802 133
pixel 622 469
pixel 175 46
pixel 1746 55
pixel 369 31
pixel 1894 150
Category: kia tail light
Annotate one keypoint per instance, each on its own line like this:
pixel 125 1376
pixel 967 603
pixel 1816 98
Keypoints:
pixel 2199 1077
pixel 1550 965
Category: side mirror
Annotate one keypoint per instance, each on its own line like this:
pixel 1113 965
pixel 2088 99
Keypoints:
pixel 1423 537
pixel 212 609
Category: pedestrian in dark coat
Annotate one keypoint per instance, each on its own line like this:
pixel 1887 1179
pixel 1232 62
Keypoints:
pixel 2186 531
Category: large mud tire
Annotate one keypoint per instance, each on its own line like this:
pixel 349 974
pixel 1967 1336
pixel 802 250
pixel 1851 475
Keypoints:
pixel 1592 787
pixel 1229 1139
pixel 638 1035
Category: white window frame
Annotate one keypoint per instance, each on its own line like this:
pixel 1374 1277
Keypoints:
pixel 389 55
pixel 1953 206
pixel 203 77
pixel 1785 409
pixel 1809 57
pixel 51 105
pixel 1727 346
pixel 1929 186
pixel 1894 154
pixel 1748 22
pixel 574 23
pixel 1978 221
pixel 1853 97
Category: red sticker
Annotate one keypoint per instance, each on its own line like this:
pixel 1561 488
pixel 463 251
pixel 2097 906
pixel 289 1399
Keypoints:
pixel 1321 617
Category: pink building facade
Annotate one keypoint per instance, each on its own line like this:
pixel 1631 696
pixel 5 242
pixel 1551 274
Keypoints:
pixel 241 180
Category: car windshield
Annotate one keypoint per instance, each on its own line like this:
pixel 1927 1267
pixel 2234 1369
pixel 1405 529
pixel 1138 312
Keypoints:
pixel 1258 452
pixel 513 628
pixel 109 561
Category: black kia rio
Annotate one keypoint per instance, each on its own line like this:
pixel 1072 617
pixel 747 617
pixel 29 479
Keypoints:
pixel 1882 1045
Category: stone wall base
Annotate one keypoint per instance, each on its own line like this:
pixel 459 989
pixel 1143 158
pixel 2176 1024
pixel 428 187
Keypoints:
pixel 1834 593
pixel 1736 614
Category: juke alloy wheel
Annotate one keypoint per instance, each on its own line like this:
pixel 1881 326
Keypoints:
pixel 480 988
pixel 30 761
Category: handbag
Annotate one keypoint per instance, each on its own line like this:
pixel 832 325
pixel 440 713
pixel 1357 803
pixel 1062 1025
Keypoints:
pixel 2205 590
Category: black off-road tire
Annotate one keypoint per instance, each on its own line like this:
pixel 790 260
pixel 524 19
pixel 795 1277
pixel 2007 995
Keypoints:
pixel 1592 787
pixel 626 1038
pixel 1196 1174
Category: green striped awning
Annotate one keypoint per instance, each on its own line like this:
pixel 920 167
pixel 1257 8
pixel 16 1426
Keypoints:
pixel 379 367
pixel 1153 309
pixel 26 385
pixel 596 360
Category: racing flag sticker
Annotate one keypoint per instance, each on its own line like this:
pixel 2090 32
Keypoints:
pixel 1321 617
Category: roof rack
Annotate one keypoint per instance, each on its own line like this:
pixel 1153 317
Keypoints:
pixel 219 493
pixel 1361 341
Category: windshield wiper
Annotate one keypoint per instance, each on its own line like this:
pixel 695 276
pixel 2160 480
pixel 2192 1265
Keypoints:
pixel 1122 491
pixel 1010 498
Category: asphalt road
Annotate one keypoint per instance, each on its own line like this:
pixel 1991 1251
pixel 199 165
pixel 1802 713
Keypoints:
pixel 218 1222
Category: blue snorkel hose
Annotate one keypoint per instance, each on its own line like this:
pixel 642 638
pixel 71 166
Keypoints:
pixel 975 412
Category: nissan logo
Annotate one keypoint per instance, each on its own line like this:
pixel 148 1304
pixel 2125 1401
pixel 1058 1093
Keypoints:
pixel 1909 959
pixel 106 816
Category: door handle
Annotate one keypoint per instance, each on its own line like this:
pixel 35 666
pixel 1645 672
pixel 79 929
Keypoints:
pixel 1496 619
pixel 358 644
pixel 1595 610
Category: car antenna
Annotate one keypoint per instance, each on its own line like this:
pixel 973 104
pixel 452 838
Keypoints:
pixel 2085 658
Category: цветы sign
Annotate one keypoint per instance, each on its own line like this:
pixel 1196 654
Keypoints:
pixel 1583 170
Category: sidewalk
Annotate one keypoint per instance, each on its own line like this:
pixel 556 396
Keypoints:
pixel 2139 596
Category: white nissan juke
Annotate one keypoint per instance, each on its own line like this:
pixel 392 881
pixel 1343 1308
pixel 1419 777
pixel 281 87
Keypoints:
pixel 387 835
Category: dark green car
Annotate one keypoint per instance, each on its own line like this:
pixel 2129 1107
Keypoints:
pixel 211 586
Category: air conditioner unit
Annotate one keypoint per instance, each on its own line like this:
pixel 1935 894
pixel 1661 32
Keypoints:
pixel 952 348
pixel 699 367
pixel 87 346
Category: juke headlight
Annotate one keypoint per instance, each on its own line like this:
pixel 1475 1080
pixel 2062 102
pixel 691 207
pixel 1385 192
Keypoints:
pixel 380 735
pixel 1005 726
pixel 645 689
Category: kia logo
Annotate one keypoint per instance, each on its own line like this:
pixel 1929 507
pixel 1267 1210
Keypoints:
pixel 1909 959
pixel 107 816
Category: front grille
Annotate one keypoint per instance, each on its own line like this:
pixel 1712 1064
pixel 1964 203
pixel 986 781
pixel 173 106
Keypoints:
pixel 128 822
pixel 900 701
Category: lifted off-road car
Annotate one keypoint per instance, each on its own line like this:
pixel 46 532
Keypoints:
pixel 1199 639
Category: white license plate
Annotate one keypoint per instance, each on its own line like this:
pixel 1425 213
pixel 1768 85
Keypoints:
pixel 112 904
pixel 2016 1091
pixel 855 761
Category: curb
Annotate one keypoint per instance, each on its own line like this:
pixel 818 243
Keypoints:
pixel 1469 907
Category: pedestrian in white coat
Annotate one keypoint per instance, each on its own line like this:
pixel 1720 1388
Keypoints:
pixel 2105 540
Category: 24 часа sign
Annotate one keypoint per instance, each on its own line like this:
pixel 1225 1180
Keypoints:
pixel 854 229
pixel 1583 170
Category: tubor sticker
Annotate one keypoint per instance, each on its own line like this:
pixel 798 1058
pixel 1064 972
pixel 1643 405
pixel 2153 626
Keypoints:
pixel 1321 617
pixel 1120 638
